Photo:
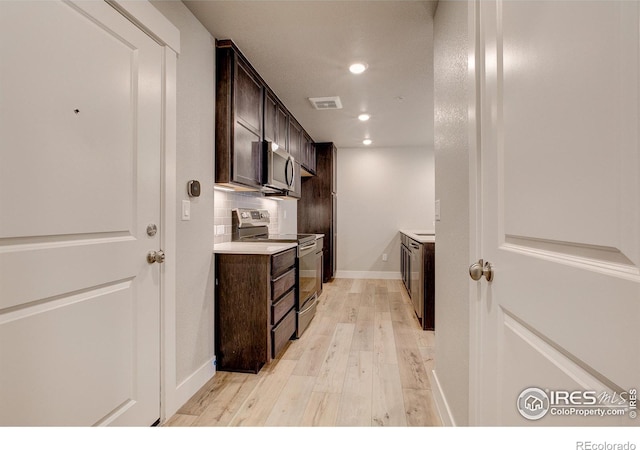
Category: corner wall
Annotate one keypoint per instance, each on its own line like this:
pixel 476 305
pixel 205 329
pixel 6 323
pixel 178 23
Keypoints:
pixel 380 191
pixel 452 189
pixel 194 241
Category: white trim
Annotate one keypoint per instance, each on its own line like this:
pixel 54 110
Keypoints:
pixel 168 402
pixel 185 390
pixel 370 275
pixel 475 69
pixel 147 17
pixel 440 400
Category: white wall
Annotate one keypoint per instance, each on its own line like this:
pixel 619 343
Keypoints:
pixel 380 191
pixel 195 238
pixel 452 188
pixel 288 217
pixel 194 266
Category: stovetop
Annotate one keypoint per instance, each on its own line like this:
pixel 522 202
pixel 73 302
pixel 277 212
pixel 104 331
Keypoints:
pixel 251 225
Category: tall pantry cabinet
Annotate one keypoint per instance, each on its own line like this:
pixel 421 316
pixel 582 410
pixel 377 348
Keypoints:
pixel 318 204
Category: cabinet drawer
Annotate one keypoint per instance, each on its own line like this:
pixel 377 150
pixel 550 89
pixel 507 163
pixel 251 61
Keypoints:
pixel 282 284
pixel 283 332
pixel 282 261
pixel 282 306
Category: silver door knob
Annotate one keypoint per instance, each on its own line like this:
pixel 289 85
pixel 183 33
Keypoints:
pixel 480 268
pixel 153 257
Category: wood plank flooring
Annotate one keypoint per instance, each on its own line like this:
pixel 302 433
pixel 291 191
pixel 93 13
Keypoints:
pixel 363 361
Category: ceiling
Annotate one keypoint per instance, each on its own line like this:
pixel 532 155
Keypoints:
pixel 303 49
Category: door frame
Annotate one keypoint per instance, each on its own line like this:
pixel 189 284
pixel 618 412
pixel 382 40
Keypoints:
pixel 475 80
pixel 150 20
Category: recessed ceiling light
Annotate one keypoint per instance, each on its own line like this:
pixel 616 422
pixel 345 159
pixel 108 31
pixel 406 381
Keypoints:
pixel 357 68
pixel 367 142
pixel 364 117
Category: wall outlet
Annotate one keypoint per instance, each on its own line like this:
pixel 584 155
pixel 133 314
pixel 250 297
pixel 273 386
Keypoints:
pixel 385 257
pixel 219 229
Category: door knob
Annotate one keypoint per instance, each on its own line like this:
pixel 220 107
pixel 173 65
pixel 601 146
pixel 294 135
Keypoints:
pixel 475 270
pixel 480 268
pixel 153 257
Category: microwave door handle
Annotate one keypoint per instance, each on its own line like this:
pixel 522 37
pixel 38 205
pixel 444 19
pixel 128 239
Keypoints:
pixel 289 179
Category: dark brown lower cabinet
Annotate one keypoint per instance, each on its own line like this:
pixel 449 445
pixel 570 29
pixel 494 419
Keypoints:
pixel 429 314
pixel 255 313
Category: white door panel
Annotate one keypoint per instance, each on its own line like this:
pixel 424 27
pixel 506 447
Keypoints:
pixel 94 332
pixel 560 204
pixel 568 144
pixel 80 133
pixel 61 69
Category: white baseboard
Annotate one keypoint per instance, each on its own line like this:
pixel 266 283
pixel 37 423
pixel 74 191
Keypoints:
pixel 368 275
pixel 441 401
pixel 191 385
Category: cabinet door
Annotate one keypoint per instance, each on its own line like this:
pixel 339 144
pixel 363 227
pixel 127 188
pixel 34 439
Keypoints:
pixel 319 273
pixel 295 139
pixel 334 236
pixel 282 127
pixel 334 169
pixel 311 155
pixel 247 161
pixel 248 98
pixel 270 113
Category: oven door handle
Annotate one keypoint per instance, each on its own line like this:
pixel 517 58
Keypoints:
pixel 309 304
pixel 302 251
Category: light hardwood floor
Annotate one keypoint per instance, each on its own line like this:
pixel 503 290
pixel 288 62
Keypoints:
pixel 363 361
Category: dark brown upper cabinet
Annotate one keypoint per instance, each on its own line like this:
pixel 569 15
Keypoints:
pixel 308 156
pixel 282 126
pixel 248 112
pixel 270 117
pixel 295 139
pixel 276 120
pixel 239 120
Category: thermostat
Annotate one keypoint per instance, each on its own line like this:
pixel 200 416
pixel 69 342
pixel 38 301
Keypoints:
pixel 193 187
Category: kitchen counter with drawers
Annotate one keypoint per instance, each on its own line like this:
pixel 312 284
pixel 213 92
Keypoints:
pixel 255 298
pixel 417 267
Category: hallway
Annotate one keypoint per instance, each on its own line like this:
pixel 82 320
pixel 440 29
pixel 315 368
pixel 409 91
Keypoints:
pixel 362 362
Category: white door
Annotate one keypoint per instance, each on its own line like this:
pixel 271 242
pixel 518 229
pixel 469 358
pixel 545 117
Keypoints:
pixel 559 338
pixel 80 142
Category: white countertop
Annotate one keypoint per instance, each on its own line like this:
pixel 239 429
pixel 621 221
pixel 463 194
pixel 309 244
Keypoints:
pixel 253 248
pixel 422 236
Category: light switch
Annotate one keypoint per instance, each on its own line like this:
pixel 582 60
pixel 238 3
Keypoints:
pixel 186 210
pixel 437 210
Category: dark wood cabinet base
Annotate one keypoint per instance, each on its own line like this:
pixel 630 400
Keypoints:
pixel 254 309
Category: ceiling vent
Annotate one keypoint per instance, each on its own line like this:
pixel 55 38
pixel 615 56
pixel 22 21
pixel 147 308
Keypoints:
pixel 326 102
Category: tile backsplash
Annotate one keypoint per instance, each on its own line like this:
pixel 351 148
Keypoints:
pixel 224 202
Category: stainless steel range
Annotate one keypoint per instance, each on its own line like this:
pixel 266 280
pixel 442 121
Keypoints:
pixel 252 225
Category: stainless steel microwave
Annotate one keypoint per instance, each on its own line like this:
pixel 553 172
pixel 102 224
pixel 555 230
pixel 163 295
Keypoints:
pixel 279 169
